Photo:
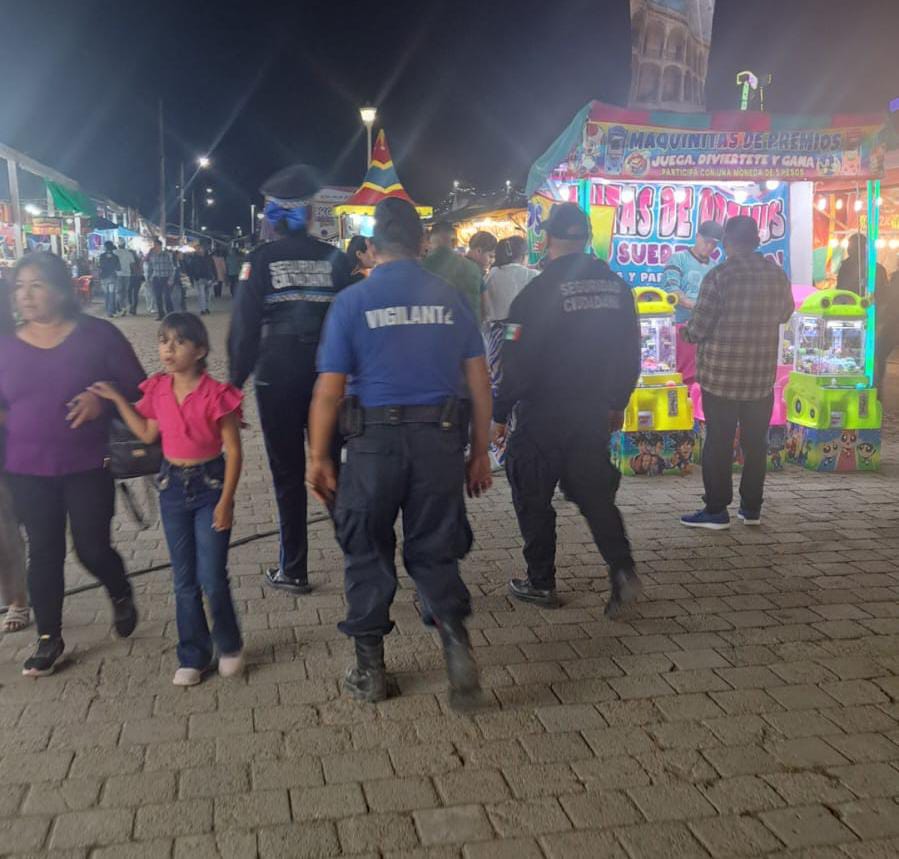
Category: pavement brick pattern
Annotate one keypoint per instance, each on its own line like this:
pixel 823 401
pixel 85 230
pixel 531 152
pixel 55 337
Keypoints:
pixel 749 707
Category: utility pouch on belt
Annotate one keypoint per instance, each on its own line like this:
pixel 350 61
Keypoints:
pixel 351 419
pixel 449 416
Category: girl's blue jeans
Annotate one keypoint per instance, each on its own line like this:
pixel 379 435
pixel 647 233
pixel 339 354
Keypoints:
pixel 187 498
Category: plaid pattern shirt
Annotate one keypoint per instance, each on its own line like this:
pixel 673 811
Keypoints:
pixel 160 265
pixel 736 323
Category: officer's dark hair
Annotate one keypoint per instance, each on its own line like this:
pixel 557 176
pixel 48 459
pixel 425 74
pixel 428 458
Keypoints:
pixel 398 229
pixel 110 246
pixel 56 274
pixel 186 326
pixel 510 249
pixel 482 241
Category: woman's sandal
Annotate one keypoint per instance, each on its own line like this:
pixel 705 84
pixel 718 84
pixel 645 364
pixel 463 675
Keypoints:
pixel 17 618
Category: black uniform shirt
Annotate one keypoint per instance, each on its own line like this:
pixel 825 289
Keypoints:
pixel 286 287
pixel 571 339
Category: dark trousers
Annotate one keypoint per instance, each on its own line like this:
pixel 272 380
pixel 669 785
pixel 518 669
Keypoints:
pixel 721 419
pixel 163 293
pixel 417 470
pixel 232 284
pixel 134 292
pixel 187 500
pixel 43 504
pixel 550 448
pixel 283 414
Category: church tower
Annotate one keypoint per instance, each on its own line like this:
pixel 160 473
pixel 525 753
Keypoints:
pixel 670 53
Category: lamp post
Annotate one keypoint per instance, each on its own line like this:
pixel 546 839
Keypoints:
pixel 252 222
pixel 369 115
pixel 203 163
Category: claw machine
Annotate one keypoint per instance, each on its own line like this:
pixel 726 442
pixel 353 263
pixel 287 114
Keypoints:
pixel 658 435
pixel 834 414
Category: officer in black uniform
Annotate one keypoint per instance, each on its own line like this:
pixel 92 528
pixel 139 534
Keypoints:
pixel 571 359
pixel 407 340
pixel 285 290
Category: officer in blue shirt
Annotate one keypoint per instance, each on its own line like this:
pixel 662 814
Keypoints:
pixel 407 342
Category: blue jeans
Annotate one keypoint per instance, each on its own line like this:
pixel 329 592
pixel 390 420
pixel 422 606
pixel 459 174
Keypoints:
pixel 111 293
pixel 204 289
pixel 187 499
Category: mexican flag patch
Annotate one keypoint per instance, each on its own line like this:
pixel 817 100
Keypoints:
pixel 245 270
pixel 512 332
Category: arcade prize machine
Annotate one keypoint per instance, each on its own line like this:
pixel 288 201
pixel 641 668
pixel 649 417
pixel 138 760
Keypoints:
pixel 658 436
pixel 833 413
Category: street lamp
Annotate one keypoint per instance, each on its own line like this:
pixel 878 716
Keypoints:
pixel 204 161
pixel 369 115
pixel 32 209
pixel 210 201
pixel 209 190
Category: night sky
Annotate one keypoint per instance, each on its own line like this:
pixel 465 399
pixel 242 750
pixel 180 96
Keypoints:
pixel 466 90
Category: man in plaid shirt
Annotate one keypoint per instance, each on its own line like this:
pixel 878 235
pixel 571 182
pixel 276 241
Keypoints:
pixel 161 274
pixel 736 323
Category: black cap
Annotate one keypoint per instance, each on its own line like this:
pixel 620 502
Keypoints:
pixel 397 223
pixel 297 182
pixel 711 230
pixel 742 230
pixel 567 221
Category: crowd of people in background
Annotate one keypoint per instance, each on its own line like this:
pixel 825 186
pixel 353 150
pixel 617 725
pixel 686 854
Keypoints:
pixel 163 278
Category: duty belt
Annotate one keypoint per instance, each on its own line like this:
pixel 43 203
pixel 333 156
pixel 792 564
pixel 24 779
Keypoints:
pixel 395 415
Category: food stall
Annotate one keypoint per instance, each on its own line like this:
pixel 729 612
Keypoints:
pixel 356 214
pixel 648 179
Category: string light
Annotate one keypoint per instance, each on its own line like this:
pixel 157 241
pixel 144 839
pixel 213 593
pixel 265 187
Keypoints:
pixel 894 243
pixel 838 204
pixel 822 204
pixel 878 202
pixel 857 205
pixel 834 242
pixel 844 244
pixel 772 184
pixel 880 243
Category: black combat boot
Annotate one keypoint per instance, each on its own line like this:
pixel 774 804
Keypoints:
pixel 461 668
pixel 626 588
pixel 367 679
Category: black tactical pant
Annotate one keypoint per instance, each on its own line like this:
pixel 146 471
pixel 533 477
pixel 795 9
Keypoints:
pixel 419 470
pixel 549 448
pixel 283 392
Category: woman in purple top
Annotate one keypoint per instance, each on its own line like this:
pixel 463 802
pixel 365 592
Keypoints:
pixel 12 569
pixel 56 443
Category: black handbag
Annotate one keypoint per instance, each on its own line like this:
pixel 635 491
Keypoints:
pixel 128 456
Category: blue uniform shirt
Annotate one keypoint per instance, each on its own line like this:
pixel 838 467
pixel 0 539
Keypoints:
pixel 402 335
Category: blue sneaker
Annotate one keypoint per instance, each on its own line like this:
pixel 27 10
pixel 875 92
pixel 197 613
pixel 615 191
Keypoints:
pixel 750 517
pixel 704 519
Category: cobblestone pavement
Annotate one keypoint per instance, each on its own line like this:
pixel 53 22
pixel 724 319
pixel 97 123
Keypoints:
pixel 749 707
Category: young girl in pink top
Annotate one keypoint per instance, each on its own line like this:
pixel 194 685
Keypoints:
pixel 195 417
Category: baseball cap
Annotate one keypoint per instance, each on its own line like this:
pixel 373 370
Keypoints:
pixel 711 230
pixel 397 222
pixel 567 221
pixel 297 182
pixel 743 230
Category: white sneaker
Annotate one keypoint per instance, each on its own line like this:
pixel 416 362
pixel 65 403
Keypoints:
pixel 187 677
pixel 231 666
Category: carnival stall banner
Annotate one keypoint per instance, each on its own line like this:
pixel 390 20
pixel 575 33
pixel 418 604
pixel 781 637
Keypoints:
pixel 656 153
pixel 655 221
